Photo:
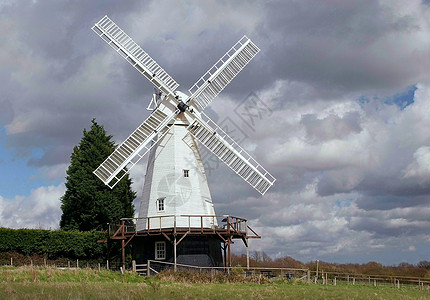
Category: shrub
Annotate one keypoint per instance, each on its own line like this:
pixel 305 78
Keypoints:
pixel 52 243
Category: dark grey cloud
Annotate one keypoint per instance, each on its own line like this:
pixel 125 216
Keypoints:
pixel 6 112
pixel 331 127
pixel 387 202
pixel 341 46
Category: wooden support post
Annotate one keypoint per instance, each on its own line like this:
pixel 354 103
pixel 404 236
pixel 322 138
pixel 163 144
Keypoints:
pixel 123 243
pixel 225 255
pixel 309 276
pixel 247 246
pixel 374 282
pixel 148 270
pixel 107 264
pixel 247 254
pixel 99 267
pixel 11 262
pixel 133 265
pixel 123 254
pixel 68 264
pixel 334 281
pixel 353 280
pixel 174 253
pixel 77 264
pixel 229 251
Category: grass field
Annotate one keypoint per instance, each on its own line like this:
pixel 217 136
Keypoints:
pixel 51 283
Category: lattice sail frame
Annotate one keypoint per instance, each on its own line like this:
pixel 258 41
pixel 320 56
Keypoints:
pixel 234 156
pixel 201 127
pixel 222 72
pixel 134 54
pixel 134 148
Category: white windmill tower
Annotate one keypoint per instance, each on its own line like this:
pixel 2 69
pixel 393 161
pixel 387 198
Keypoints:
pixel 175 183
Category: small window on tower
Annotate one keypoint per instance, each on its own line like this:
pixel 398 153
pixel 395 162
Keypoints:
pixel 160 204
pixel 160 250
pixel 186 173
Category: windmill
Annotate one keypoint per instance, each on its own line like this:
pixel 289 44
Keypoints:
pixel 176 189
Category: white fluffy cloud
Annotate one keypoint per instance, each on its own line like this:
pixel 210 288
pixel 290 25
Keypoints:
pixel 420 168
pixel 41 209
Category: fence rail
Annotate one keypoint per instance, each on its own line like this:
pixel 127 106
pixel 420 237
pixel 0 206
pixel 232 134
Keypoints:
pixel 153 267
pixel 306 275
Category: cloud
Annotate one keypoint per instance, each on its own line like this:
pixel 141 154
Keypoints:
pixel 420 167
pixel 344 47
pixel 41 209
pixel 351 167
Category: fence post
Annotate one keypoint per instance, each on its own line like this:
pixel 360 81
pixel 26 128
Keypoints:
pixel 99 267
pixel 334 281
pixel 347 278
pixel 309 276
pixel 68 263
pixel 133 266
pixel 326 278
pixel 77 264
pixel 44 262
pixel 374 282
pixel 148 271
pixel 107 264
pixel 11 262
pixel 353 280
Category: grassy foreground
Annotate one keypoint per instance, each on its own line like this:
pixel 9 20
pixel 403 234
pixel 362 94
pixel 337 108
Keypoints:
pixel 50 283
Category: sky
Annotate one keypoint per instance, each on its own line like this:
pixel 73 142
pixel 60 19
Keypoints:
pixel 336 106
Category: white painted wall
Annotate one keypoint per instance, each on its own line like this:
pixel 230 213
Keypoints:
pixel 164 178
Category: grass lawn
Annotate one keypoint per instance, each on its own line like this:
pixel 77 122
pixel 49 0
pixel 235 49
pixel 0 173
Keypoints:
pixel 50 283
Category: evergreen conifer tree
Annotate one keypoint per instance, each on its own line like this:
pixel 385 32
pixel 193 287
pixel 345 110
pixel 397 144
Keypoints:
pixel 88 204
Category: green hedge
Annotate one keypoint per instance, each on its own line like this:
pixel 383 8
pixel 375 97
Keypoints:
pixel 53 243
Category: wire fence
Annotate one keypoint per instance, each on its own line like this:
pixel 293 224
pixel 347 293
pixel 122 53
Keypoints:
pixel 154 267
pixel 63 263
pixel 313 277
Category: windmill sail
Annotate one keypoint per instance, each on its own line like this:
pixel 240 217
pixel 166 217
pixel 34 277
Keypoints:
pixel 222 72
pixel 136 56
pixel 126 155
pixel 223 146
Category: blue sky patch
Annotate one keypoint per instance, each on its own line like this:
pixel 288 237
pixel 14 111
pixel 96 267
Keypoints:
pixel 402 99
pixel 15 174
